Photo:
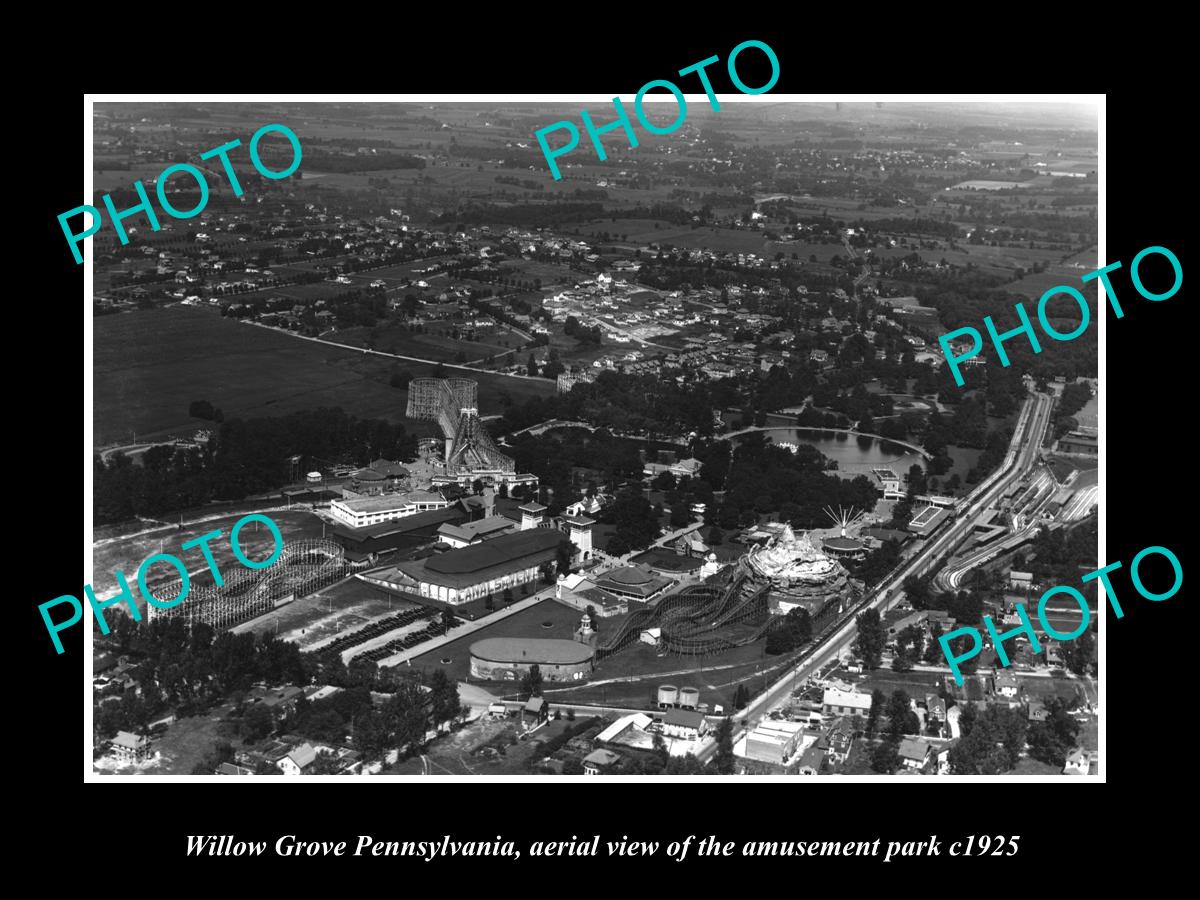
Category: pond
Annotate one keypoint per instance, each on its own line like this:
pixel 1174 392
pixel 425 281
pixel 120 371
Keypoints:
pixel 855 454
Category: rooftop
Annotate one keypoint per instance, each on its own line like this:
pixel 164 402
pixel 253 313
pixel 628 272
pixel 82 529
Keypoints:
pixel 500 550
pixel 632 580
pixel 685 717
pixel 914 749
pixel 388 502
pixel 841 543
pixel 488 560
pixel 847 698
pixel 468 531
pixel 545 651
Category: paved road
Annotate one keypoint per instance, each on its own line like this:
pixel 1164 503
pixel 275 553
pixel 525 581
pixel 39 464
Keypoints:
pixel 433 362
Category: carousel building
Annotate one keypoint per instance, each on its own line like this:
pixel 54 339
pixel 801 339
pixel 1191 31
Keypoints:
pixel 798 573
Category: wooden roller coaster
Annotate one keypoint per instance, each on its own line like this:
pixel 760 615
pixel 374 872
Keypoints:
pixel 303 568
pixel 693 620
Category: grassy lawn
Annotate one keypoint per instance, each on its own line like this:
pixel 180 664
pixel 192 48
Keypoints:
pixel 563 621
pixel 185 743
pixel 150 364
pixel 916 684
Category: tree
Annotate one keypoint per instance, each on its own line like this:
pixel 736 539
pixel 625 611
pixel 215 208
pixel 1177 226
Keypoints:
pixel 918 591
pixel 871 638
pixel 878 702
pixel 445 705
pixel 201 409
pixel 407 714
pixel 992 746
pixel 901 718
pixel 572 766
pixel 715 537
pixel 1080 654
pixel 563 554
pixel 257 723
pixel 531 682
pixel 370 735
pixel 916 480
pixel 741 697
pixel 659 747
pixel 1050 741
pixel 885 758
pixel 531 368
pixel 724 755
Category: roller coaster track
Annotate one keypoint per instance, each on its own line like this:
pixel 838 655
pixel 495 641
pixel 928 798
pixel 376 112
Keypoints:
pixel 303 568
pixel 690 618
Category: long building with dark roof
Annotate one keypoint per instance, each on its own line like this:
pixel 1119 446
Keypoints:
pixel 374 541
pixel 459 576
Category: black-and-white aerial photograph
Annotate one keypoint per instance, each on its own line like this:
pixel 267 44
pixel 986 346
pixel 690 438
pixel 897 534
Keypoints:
pixel 412 459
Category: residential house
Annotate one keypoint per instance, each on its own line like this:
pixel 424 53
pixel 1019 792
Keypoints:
pixel 915 753
pixel 1081 762
pixel 130 748
pixel 935 708
pixel 299 759
pixel 599 761
pixel 840 739
pixel 811 761
pixel 685 724
pixel 536 711
pixel 852 703
pixel 1005 684
pixel 1021 581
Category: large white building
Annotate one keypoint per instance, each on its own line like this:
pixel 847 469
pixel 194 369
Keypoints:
pixel 845 703
pixel 363 511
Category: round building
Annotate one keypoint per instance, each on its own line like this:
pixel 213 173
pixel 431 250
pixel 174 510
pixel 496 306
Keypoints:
pixel 511 658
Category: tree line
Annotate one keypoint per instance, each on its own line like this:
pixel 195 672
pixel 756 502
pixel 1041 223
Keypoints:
pixel 244 456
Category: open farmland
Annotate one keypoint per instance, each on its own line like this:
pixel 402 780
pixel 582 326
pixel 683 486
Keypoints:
pixel 639 232
pixel 150 365
pixel 430 345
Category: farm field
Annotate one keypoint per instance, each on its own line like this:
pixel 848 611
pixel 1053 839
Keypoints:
pixel 150 364
pixel 639 232
pixel 398 339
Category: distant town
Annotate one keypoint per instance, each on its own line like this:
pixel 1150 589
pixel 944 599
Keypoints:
pixel 656 469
